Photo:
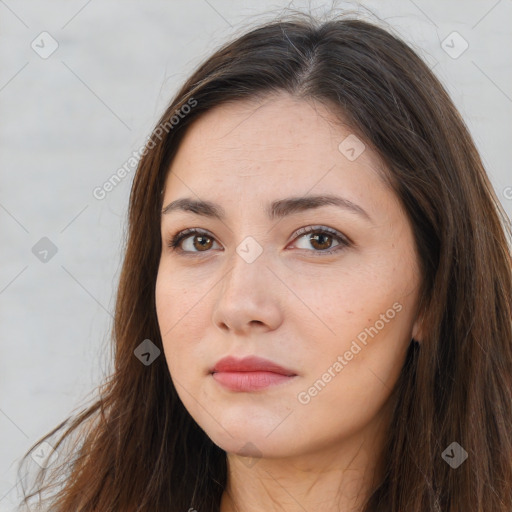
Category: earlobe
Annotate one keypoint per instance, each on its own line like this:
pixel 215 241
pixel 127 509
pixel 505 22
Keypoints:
pixel 417 330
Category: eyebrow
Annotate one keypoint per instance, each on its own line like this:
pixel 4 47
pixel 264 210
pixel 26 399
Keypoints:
pixel 277 209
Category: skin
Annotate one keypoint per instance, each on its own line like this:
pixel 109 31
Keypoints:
pixel 293 304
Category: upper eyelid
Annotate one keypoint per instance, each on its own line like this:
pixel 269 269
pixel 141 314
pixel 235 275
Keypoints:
pixel 186 233
pixel 312 228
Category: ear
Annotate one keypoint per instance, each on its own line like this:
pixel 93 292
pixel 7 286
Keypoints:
pixel 418 328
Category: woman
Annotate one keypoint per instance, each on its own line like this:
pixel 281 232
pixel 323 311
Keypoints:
pixel 314 309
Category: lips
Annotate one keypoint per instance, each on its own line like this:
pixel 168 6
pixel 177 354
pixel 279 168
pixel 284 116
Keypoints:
pixel 250 364
pixel 250 373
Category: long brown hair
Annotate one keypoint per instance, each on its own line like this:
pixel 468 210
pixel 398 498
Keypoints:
pixel 136 448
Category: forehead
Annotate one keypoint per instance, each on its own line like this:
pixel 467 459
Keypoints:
pixel 277 143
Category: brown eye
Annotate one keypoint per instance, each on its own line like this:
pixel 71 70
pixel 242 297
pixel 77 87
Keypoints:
pixel 202 242
pixel 320 240
pixel 192 241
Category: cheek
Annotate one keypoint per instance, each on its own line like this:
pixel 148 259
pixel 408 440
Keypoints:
pixel 347 301
pixel 173 314
pixel 178 299
pixel 364 315
pixel 357 368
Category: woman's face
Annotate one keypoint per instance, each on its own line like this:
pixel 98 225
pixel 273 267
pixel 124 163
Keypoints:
pixel 336 307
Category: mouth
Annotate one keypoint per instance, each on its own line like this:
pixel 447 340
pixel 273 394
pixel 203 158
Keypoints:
pixel 250 373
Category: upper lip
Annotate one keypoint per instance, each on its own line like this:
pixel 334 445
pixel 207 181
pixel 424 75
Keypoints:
pixel 249 364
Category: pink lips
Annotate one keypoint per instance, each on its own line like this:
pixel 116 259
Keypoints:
pixel 250 373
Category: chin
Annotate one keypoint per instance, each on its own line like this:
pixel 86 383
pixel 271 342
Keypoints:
pixel 250 442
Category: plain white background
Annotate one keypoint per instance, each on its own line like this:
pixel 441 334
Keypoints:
pixel 70 120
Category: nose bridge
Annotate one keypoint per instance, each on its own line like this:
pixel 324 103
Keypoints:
pixel 245 295
pixel 247 271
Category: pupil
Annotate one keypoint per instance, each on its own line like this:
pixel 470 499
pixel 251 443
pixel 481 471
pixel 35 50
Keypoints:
pixel 202 241
pixel 325 244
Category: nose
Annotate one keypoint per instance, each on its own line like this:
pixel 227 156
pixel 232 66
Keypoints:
pixel 247 298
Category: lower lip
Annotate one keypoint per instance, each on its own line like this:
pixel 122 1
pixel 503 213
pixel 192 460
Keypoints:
pixel 250 381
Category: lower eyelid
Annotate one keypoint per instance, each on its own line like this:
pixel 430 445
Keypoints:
pixel 175 241
pixel 342 244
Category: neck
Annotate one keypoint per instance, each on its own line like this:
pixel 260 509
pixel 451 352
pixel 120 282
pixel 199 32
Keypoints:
pixel 333 479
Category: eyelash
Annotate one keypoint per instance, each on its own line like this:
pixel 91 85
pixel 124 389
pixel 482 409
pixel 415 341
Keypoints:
pixel 344 242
